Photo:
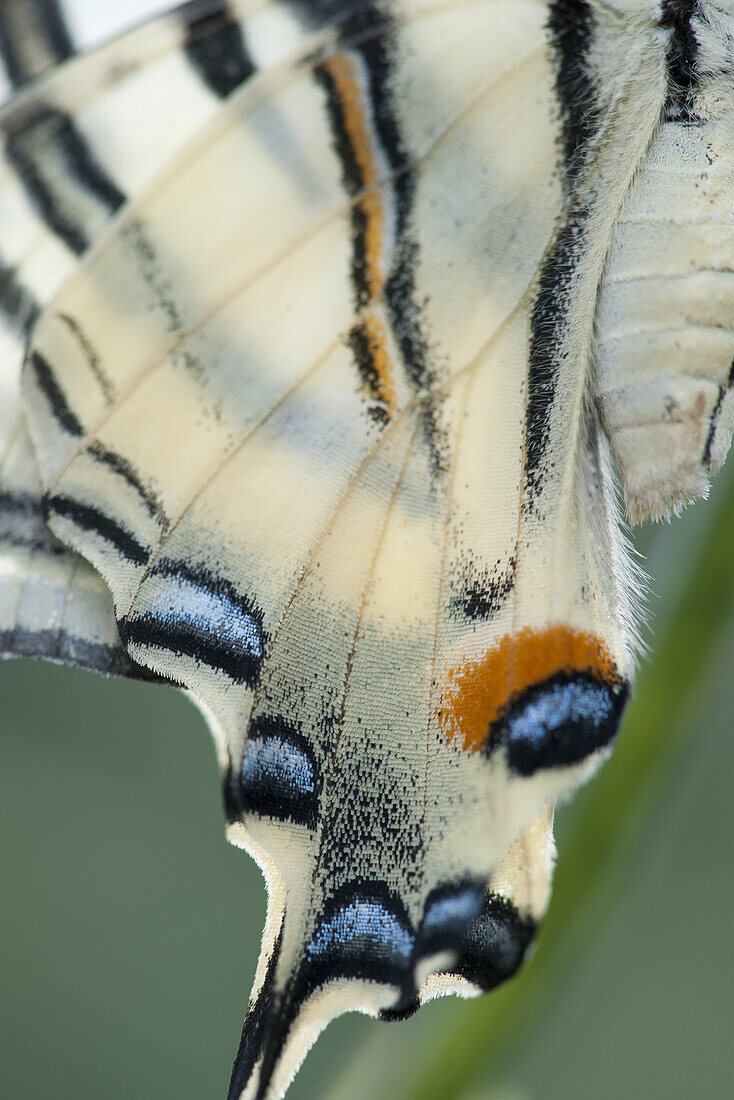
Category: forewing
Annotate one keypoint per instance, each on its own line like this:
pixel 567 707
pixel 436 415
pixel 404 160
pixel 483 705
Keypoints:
pixel 79 141
pixel 52 603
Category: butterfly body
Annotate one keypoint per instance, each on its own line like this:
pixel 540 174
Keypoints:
pixel 682 386
pixel 327 356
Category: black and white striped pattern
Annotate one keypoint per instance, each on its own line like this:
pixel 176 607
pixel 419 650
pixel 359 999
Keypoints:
pixel 60 197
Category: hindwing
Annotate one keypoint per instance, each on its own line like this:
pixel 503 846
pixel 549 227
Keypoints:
pixel 321 380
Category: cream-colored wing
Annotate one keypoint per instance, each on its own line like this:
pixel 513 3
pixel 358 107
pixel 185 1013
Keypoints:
pixel 79 141
pixel 52 603
pixel 344 343
pixel 309 341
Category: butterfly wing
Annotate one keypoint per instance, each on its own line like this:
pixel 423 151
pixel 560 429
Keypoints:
pixel 78 142
pixel 52 603
pixel 320 409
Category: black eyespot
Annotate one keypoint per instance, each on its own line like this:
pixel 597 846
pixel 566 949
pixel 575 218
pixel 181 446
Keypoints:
pixel 448 910
pixel 558 722
pixel 495 944
pixel 278 776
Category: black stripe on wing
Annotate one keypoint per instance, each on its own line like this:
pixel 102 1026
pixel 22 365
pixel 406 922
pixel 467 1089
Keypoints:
pixel 91 356
pixel 215 47
pixel 713 424
pixel 23 524
pixel 54 395
pixel 87 518
pixel 62 178
pixel 351 137
pixel 571 30
pixel 255 1028
pixel 404 307
pixel 683 50
pixel 121 466
pixel 368 36
pixel 62 648
pixel 17 305
pixel 33 37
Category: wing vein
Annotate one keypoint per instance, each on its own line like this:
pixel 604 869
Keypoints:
pixel 360 617
pixel 450 494
pixel 224 461
pixel 187 332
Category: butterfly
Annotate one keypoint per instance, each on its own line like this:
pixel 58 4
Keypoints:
pixel 324 328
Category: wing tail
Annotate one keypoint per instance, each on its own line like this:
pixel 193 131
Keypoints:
pixel 362 952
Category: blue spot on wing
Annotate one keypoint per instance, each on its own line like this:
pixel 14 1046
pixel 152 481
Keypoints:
pixel 279 763
pixel 366 933
pixel 363 932
pixel 559 705
pixel 279 776
pixel 206 612
pixel 197 614
pixel 448 911
pixel 363 929
pixel 495 944
pixel 559 722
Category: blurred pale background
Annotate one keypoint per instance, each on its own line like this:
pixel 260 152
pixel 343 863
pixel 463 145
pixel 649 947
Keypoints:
pixel 129 928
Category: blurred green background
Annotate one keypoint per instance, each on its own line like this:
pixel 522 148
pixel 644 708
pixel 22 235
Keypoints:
pixel 129 928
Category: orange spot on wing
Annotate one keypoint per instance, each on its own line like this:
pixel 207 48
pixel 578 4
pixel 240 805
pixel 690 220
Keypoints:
pixel 476 692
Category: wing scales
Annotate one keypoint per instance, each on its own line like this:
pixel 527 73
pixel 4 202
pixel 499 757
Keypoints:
pixel 250 488
pixel 92 115
pixel 56 337
pixel 401 688
pixel 96 107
